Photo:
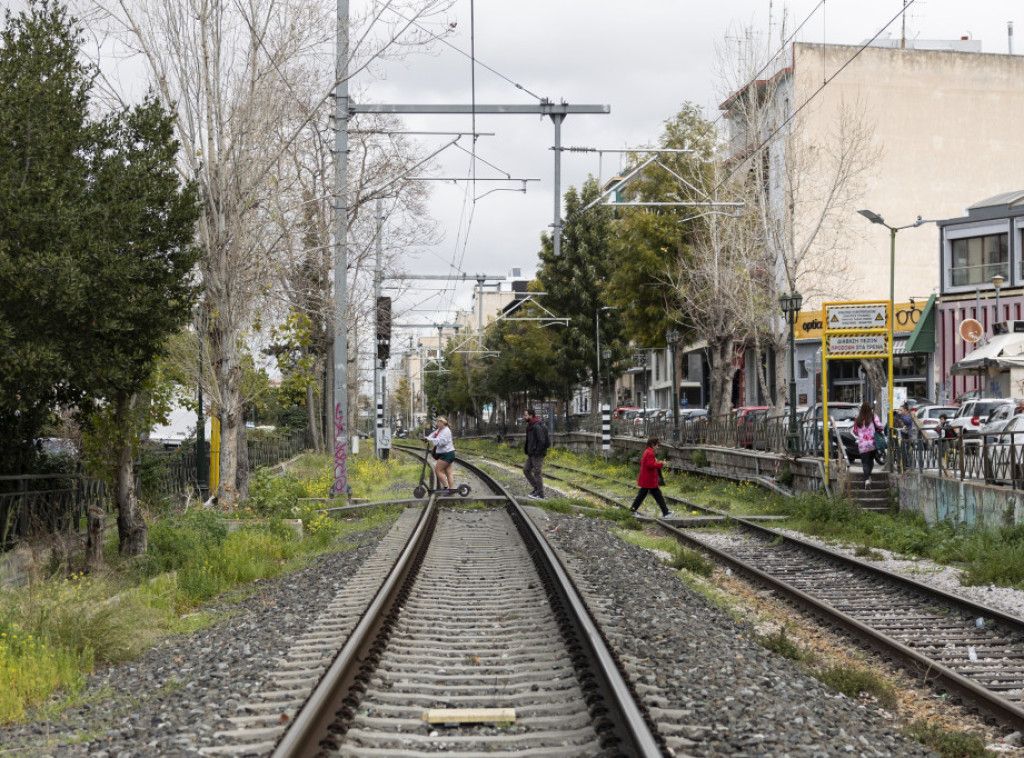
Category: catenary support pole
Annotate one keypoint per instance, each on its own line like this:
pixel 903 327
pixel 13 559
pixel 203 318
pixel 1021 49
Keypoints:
pixel 340 486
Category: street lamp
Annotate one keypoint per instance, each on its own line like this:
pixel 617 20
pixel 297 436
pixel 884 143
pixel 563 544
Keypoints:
pixel 597 331
pixel 672 337
pixel 791 305
pixel 607 355
pixel 997 282
pixel 874 218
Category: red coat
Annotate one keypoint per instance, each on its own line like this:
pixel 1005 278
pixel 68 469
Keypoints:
pixel 648 470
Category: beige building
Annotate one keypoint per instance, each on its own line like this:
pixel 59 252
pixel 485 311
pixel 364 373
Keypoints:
pixel 946 125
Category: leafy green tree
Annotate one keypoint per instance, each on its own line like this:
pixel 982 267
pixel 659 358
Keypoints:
pixel 111 225
pixel 44 169
pixel 524 366
pixel 575 283
pixel 649 240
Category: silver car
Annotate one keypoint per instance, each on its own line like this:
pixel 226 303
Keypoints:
pixel 973 414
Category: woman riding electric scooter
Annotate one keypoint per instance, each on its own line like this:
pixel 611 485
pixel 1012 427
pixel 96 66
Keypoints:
pixel 444 451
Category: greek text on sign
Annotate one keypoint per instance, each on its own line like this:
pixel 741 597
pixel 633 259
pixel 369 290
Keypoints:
pixel 856 345
pixel 866 316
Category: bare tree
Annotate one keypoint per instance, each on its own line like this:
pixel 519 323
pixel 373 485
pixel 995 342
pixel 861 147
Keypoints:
pixel 713 283
pixel 230 70
pixel 803 173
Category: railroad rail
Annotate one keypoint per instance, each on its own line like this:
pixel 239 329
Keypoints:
pixel 972 651
pixel 475 642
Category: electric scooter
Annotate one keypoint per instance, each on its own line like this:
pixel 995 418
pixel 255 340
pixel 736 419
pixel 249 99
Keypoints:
pixel 422 489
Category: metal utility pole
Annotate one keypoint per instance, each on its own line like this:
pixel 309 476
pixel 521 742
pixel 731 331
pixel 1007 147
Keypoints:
pixel 341 487
pixel 382 438
pixel 556 112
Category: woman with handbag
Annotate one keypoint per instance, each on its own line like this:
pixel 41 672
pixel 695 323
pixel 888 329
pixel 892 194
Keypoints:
pixel 650 479
pixel 867 427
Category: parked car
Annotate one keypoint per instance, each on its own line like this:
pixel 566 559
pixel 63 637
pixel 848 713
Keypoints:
pixel 745 417
pixel 1004 453
pixel 621 412
pixel 969 395
pixel 928 418
pixel 843 414
pixel 917 402
pixel 997 418
pixel 973 414
pixel 694 424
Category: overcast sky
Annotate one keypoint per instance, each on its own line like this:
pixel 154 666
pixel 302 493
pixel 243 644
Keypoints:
pixel 643 59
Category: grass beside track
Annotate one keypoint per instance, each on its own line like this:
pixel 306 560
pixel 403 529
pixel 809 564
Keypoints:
pixel 55 631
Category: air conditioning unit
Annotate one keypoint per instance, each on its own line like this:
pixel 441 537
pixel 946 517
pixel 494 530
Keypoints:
pixel 1008 327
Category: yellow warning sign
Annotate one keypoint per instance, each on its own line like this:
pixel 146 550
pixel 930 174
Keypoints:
pixel 856 317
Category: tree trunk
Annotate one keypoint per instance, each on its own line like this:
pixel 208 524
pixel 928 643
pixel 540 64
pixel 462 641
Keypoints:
pixel 242 472
pixel 132 532
pixel 228 372
pixel 722 371
pixel 314 418
pixel 96 531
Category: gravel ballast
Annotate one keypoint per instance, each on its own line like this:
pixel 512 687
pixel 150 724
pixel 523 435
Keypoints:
pixel 694 666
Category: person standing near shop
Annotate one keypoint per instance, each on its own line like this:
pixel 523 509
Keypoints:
pixel 536 448
pixel 649 480
pixel 444 451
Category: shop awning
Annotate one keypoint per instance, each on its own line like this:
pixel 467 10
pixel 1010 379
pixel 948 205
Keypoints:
pixel 922 339
pixel 1002 351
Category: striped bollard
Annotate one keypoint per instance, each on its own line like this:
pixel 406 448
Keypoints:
pixel 606 429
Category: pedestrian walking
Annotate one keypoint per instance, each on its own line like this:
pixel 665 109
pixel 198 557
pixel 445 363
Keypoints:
pixel 649 480
pixel 444 452
pixel 536 448
pixel 865 426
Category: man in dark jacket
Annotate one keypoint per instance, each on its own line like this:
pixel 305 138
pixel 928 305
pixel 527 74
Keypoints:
pixel 536 448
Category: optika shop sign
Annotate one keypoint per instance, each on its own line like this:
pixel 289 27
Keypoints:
pixel 811 325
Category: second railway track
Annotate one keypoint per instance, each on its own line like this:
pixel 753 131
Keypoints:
pixel 970 650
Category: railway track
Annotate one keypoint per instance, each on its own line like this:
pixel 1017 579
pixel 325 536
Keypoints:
pixel 463 636
pixel 971 651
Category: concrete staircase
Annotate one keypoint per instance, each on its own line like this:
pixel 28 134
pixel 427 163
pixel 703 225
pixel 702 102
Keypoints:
pixel 875 497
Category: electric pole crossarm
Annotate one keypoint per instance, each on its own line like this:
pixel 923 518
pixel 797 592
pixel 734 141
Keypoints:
pixel 455 277
pixel 544 109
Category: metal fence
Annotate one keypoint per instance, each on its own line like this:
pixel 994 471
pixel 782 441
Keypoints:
pixel 41 504
pixel 36 505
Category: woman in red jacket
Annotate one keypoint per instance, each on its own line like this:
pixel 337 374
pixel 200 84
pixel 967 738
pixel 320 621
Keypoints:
pixel 648 479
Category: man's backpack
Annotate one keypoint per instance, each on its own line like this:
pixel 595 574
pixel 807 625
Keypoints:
pixel 545 443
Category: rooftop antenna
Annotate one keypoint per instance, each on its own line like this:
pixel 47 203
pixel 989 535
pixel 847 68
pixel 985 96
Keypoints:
pixel 1009 36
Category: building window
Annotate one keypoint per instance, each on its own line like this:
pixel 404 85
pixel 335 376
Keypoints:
pixel 977 259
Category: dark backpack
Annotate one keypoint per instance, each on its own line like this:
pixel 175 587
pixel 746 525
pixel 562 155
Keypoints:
pixel 545 443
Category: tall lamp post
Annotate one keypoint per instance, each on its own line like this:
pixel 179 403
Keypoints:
pixel 672 337
pixel 597 332
pixel 874 218
pixel 607 355
pixel 791 307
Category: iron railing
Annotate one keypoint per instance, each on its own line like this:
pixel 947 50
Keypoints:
pixel 35 505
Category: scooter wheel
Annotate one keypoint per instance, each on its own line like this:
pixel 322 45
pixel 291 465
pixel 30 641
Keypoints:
pixel 419 492
pixel 464 489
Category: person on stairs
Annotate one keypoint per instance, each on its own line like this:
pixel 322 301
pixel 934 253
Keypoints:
pixel 864 428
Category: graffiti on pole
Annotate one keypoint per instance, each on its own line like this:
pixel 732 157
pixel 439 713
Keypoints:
pixel 340 486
